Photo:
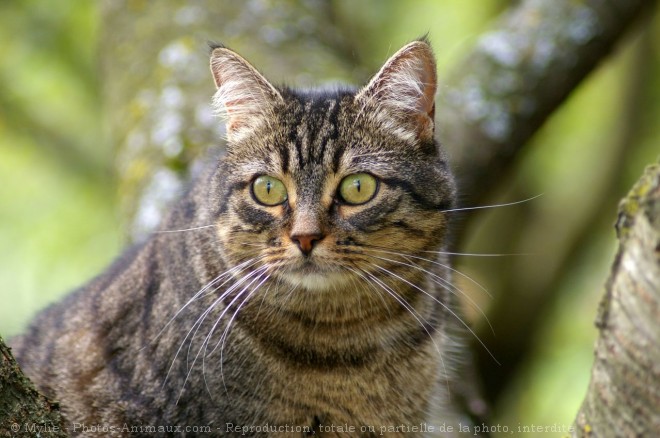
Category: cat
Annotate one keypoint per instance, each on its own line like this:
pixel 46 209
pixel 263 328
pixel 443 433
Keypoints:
pixel 299 287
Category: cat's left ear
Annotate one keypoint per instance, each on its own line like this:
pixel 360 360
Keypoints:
pixel 405 89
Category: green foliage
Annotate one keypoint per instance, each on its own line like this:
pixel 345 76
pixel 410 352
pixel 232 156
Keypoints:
pixel 58 224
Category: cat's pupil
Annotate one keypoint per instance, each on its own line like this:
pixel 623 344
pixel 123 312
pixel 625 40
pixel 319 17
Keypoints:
pixel 357 184
pixel 268 187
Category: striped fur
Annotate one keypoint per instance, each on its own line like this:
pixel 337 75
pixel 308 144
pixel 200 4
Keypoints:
pixel 229 322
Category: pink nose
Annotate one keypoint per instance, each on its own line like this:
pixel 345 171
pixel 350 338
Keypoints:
pixel 306 242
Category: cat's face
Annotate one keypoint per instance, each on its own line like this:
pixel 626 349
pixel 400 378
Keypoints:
pixel 322 190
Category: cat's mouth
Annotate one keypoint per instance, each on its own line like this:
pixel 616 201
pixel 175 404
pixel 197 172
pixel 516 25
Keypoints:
pixel 313 276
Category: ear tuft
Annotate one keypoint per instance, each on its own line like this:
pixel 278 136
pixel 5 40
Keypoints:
pixel 243 96
pixel 404 89
pixel 214 45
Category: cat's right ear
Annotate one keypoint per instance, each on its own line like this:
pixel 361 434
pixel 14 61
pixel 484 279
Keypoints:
pixel 244 96
pixel 403 91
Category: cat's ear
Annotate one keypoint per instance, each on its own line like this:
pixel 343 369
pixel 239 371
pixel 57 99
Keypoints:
pixel 243 96
pixel 405 88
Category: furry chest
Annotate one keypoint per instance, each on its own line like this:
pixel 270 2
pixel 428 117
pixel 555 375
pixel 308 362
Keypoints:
pixel 358 402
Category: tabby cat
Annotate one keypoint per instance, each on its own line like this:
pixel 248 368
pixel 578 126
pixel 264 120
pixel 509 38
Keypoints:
pixel 299 287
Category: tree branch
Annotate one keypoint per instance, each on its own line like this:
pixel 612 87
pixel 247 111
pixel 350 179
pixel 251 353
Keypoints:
pixel 623 398
pixel 518 74
pixel 23 410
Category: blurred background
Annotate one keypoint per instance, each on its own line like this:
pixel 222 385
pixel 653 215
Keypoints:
pixel 91 150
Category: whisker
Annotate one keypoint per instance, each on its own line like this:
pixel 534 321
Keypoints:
pixel 459 319
pixel 222 296
pixel 435 262
pixel 223 338
pixel 442 282
pixel 414 313
pixel 478 254
pixel 198 323
pixel 198 294
pixel 507 204
pixel 201 319
pixel 359 274
pixel 184 229
pixel 225 334
pixel 253 244
pixel 459 253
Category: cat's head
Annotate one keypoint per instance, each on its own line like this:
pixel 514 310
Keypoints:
pixel 322 190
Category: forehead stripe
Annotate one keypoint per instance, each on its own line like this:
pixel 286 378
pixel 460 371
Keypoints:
pixel 284 154
pixel 311 127
pixel 332 130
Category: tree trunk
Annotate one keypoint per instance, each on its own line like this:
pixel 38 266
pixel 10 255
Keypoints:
pixel 23 410
pixel 623 398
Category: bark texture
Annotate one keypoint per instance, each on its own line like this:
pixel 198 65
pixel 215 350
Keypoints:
pixel 24 412
pixel 623 398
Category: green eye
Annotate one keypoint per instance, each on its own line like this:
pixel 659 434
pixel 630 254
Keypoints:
pixel 268 190
pixel 358 188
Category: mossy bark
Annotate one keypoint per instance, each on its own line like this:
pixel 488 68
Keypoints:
pixel 24 412
pixel 623 398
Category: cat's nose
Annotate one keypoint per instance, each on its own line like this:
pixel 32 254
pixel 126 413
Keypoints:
pixel 306 242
